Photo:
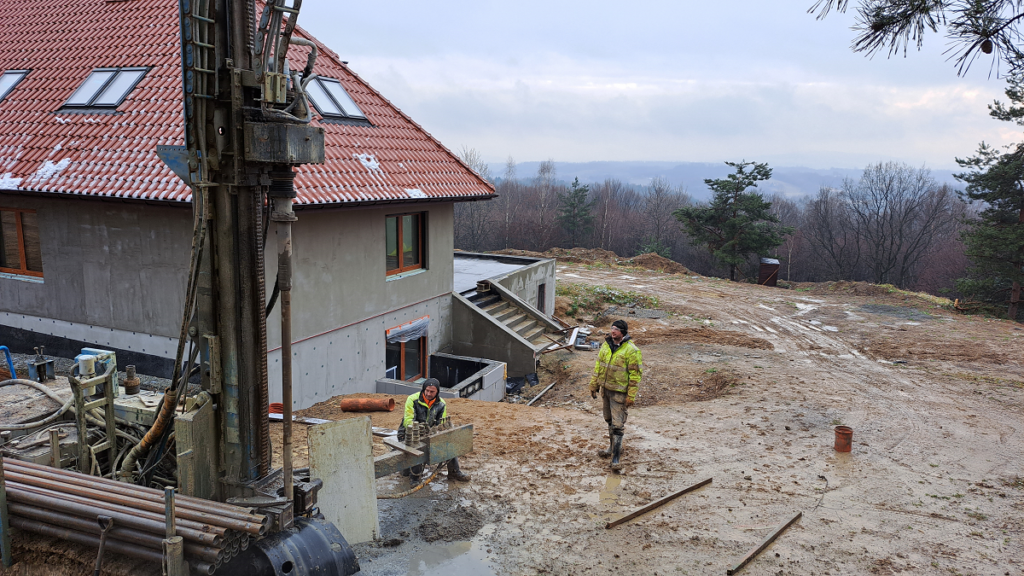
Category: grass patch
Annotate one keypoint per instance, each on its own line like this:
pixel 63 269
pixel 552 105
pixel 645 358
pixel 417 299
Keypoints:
pixel 588 298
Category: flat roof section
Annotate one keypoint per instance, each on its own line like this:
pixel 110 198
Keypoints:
pixel 470 267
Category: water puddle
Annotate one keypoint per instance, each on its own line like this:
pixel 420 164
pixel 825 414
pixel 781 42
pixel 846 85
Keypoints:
pixel 448 559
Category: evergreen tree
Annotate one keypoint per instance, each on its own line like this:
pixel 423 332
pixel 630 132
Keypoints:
pixel 736 222
pixel 995 240
pixel 574 212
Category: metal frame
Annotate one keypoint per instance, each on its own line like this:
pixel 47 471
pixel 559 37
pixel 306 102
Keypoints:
pixel 321 80
pixel 116 72
pixel 21 73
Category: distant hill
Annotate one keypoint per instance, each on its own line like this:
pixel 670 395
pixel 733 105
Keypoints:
pixel 793 181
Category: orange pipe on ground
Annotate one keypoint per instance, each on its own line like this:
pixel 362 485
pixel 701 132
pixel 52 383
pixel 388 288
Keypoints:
pixel 367 404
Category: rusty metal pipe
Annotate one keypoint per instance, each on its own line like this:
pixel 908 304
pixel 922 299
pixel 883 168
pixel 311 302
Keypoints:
pixel 135 503
pixel 367 404
pixel 132 491
pixel 84 539
pixel 124 534
pixel 130 519
pixel 84 500
pixel 149 493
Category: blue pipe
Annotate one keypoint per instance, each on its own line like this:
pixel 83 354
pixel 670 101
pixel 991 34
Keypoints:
pixel 10 362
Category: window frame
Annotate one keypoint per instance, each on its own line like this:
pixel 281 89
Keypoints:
pixel 401 360
pixel 22 75
pixel 321 81
pixel 22 251
pixel 91 102
pixel 420 264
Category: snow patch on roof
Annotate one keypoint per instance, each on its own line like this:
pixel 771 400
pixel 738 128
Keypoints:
pixel 415 193
pixel 9 183
pixel 369 161
pixel 49 169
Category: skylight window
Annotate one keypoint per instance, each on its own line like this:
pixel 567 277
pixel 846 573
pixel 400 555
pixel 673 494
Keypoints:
pixel 331 100
pixel 106 88
pixel 10 79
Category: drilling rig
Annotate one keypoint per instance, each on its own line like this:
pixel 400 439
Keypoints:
pixel 225 509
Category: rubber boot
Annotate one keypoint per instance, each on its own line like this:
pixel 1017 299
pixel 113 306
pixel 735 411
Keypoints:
pixel 611 444
pixel 455 471
pixel 617 452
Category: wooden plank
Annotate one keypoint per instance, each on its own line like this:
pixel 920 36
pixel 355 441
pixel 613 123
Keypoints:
pixel 655 504
pixel 394 443
pixel 764 544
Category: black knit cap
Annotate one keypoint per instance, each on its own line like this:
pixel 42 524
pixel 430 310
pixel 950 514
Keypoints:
pixel 431 382
pixel 621 325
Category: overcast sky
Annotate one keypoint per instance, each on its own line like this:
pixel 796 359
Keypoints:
pixel 690 81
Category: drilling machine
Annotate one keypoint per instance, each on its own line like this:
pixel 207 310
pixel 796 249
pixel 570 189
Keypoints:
pixel 247 127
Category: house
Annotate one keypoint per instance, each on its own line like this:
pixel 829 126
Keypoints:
pixel 95 230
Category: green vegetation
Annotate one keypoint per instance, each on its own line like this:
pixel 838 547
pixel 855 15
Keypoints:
pixel 586 298
pixel 737 222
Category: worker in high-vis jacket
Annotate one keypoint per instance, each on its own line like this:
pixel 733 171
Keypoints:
pixel 617 378
pixel 427 407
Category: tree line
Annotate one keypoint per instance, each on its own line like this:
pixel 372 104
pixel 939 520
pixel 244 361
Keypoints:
pixel 894 225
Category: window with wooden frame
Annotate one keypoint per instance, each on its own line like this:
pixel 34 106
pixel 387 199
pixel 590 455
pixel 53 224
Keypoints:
pixel 406 360
pixel 404 242
pixel 19 242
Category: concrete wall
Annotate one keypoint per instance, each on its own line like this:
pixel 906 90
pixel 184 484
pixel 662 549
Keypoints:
pixel 477 334
pixel 525 281
pixel 114 276
pixel 343 301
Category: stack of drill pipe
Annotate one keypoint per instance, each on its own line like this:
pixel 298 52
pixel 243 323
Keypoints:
pixel 65 504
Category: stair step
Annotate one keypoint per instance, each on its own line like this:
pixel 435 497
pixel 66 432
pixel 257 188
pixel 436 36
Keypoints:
pixel 527 326
pixel 487 300
pixel 507 313
pixel 496 307
pixel 514 319
pixel 535 333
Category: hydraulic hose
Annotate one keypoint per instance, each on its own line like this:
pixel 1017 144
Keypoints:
pixel 155 433
pixel 411 490
pixel 45 390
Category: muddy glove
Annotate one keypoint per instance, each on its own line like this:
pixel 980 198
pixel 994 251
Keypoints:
pixel 629 402
pixel 593 394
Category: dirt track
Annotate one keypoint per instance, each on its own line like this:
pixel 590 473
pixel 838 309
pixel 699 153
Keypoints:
pixel 744 384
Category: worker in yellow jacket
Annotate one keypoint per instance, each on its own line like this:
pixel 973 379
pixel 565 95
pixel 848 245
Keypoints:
pixel 617 377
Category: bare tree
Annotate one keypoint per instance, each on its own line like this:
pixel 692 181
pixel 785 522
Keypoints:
pixel 472 218
pixel 545 200
pixel 660 200
pixel 508 202
pixel 831 232
pixel 789 214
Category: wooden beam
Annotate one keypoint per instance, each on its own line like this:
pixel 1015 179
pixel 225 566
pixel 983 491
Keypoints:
pixel 394 443
pixel 764 544
pixel 655 504
pixel 438 448
pixel 542 392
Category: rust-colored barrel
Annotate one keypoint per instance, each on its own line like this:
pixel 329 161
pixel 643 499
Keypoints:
pixel 367 404
pixel 844 438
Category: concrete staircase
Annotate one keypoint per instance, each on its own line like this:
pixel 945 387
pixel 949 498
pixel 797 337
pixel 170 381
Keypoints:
pixel 521 318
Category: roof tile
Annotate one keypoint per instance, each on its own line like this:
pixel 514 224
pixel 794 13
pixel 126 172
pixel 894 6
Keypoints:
pixel 61 41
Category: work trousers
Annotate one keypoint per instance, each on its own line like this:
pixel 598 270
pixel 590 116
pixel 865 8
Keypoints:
pixel 614 409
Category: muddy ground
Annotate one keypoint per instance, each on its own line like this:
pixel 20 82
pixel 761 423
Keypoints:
pixel 745 384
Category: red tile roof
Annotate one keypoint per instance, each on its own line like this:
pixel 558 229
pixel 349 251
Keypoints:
pixel 114 155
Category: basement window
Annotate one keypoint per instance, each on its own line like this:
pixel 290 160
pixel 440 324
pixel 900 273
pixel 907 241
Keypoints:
pixel 19 243
pixel 106 88
pixel 405 353
pixel 331 100
pixel 10 79
pixel 404 243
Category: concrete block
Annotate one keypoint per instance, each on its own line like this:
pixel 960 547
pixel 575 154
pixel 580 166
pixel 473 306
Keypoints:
pixel 341 455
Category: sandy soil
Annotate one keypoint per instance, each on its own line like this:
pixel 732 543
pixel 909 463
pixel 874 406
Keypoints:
pixel 744 384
